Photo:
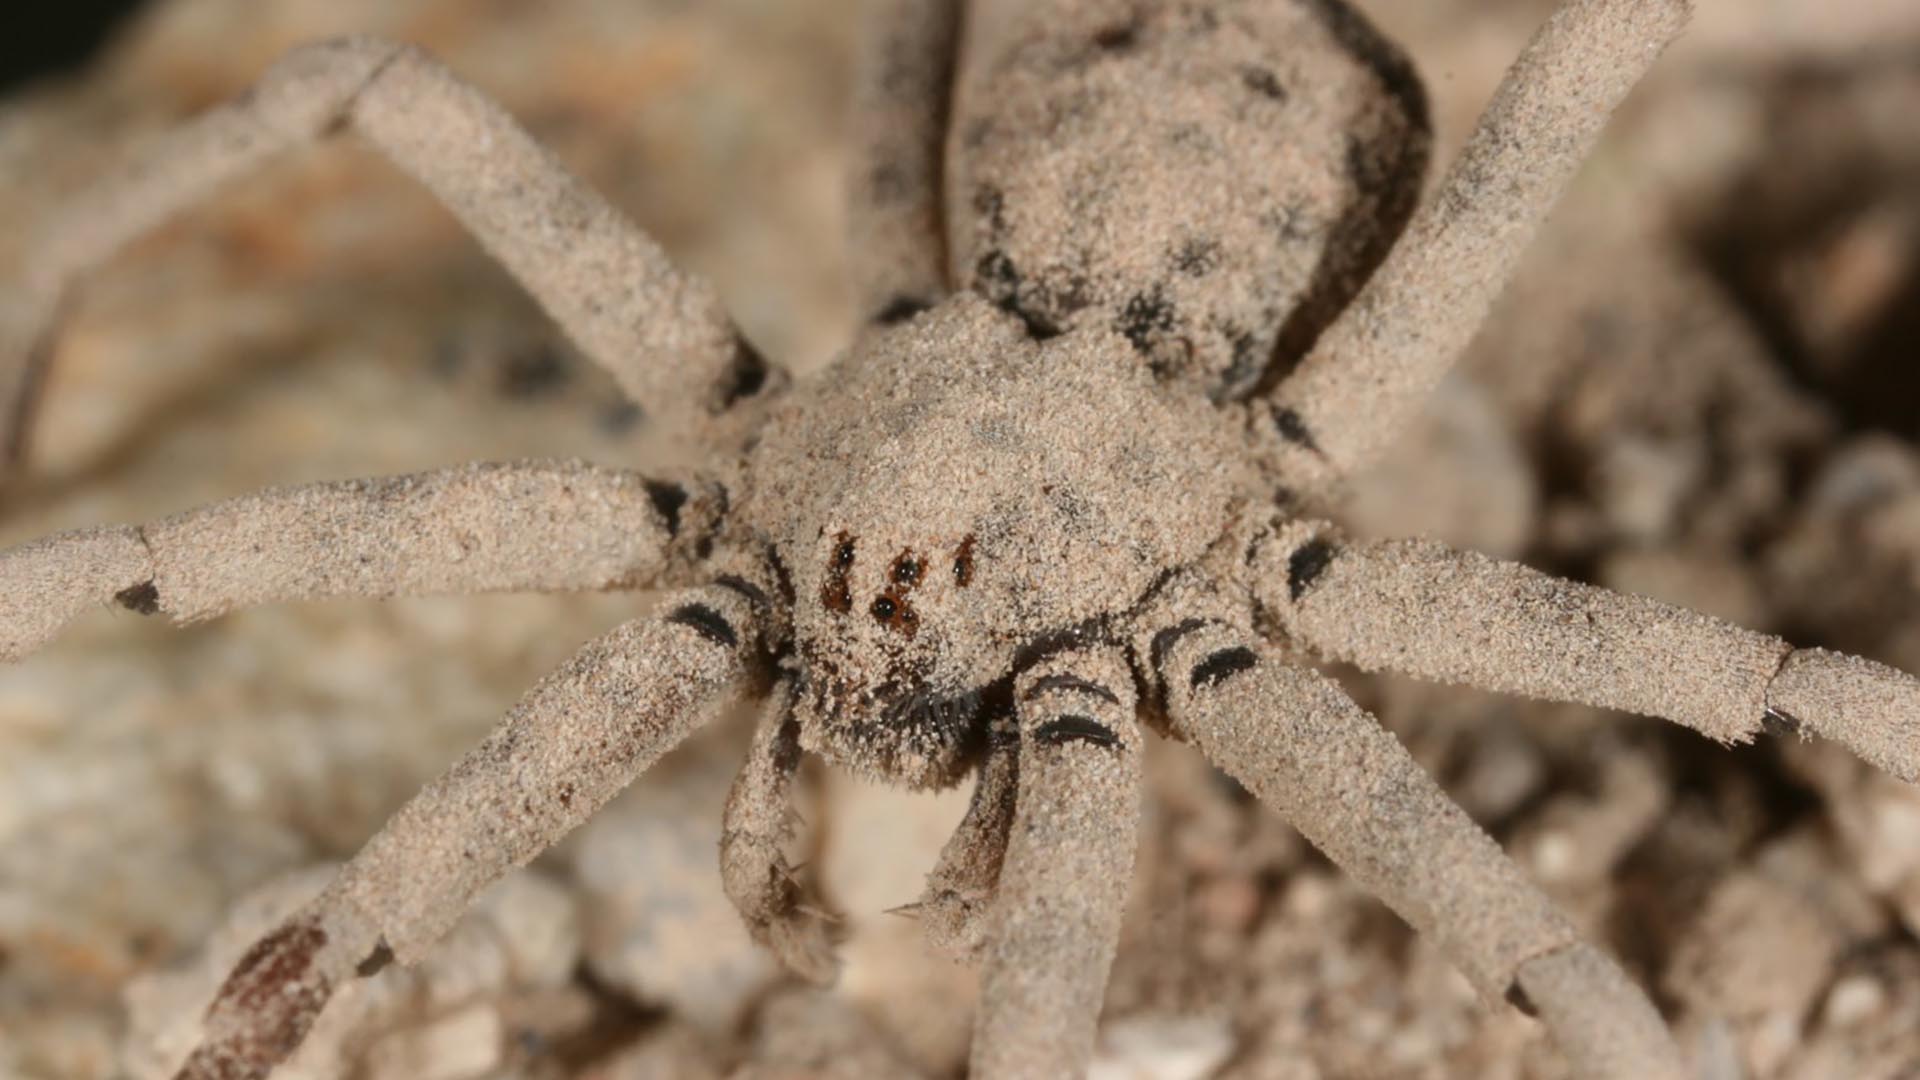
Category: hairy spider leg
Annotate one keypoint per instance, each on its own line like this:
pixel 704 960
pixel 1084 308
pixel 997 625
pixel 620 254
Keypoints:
pixel 1296 740
pixel 1069 861
pixel 661 332
pixel 1420 608
pixel 1376 364
pixel 903 82
pixel 542 526
pixel 583 733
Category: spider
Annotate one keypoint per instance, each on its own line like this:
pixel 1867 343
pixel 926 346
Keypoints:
pixel 1144 282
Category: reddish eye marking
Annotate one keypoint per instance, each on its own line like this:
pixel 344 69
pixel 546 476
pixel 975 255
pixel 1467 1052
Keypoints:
pixel 963 563
pixel 908 570
pixel 892 608
pixel 835 596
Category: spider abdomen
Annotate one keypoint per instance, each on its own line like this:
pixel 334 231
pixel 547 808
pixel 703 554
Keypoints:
pixel 1212 182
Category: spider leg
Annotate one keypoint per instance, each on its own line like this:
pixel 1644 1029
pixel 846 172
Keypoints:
pixel 571 744
pixel 1295 739
pixel 532 525
pixel 1069 860
pixel 899 126
pixel 1376 364
pixel 956 910
pixel 1420 608
pixel 662 333
pixel 754 832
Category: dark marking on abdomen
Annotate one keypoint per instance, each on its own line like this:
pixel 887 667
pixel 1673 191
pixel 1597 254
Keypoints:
pixel 706 622
pixel 1146 316
pixel 1000 281
pixel 1221 666
pixel 1119 37
pixel 1263 81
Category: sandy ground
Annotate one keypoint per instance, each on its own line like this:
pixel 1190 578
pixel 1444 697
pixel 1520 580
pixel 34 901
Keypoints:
pixel 1698 391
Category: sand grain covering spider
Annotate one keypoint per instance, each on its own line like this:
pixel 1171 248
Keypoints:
pixel 1144 283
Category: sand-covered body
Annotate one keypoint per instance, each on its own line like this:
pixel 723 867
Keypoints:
pixel 994 493
pixel 1146 205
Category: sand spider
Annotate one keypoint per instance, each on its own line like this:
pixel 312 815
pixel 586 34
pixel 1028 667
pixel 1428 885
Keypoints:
pixel 1138 301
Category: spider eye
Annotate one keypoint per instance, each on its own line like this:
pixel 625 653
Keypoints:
pixel 906 572
pixel 963 563
pixel 883 609
pixel 843 555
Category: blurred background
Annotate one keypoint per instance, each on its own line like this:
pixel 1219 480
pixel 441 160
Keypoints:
pixel 1702 388
pixel 53 42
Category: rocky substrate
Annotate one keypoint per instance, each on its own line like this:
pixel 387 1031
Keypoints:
pixel 1701 390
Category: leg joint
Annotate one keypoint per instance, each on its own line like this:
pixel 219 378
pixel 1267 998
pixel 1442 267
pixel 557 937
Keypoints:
pixel 312 90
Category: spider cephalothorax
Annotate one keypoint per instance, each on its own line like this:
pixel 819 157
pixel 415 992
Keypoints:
pixel 1041 498
pixel 955 492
